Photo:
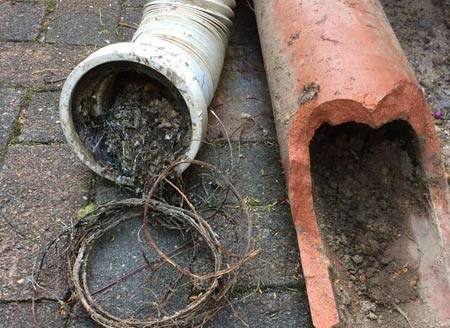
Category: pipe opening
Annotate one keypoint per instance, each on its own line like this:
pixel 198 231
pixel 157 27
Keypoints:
pixel 132 120
pixel 372 205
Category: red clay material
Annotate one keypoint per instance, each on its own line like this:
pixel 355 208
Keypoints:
pixel 334 62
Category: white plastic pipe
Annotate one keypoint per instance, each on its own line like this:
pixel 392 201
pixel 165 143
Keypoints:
pixel 181 44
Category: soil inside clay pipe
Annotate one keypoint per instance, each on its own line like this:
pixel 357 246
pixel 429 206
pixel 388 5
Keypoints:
pixel 134 129
pixel 368 184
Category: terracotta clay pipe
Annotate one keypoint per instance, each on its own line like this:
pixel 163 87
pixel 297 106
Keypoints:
pixel 339 61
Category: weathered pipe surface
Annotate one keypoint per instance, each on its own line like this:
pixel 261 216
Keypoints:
pixel 334 62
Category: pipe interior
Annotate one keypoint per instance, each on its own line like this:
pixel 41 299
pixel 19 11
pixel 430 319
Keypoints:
pixel 131 119
pixel 370 198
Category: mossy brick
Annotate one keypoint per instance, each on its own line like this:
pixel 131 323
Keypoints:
pixel 9 110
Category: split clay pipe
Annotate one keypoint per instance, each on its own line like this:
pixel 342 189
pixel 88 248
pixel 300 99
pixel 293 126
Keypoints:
pixel 339 61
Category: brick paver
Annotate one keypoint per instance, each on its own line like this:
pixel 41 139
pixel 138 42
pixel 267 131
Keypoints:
pixel 242 101
pixel 38 66
pixel 9 109
pixel 41 123
pixel 19 315
pixel 41 188
pixel 263 308
pixel 257 171
pixel 89 22
pixel 20 21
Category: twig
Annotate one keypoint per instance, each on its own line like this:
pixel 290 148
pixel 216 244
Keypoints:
pixel 250 6
pixel 100 18
pixel 169 291
pixel 227 135
pixel 33 311
pixel 403 314
pixel 128 25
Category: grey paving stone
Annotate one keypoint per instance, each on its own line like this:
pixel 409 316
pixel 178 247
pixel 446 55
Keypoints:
pixel 242 100
pixel 85 22
pixel 131 18
pixel 9 109
pixel 136 3
pixel 266 309
pixel 41 189
pixel 278 264
pixel 20 21
pixel 41 122
pixel 19 315
pixel 38 66
pixel 30 1
pixel 119 251
pixel 258 309
pixel 82 319
pixel 105 191
pixel 257 172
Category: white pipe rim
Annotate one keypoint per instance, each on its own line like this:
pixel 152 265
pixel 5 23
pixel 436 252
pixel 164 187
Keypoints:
pixel 170 65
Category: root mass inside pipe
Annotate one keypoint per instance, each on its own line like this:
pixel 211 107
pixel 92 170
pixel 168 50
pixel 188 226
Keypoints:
pixel 369 194
pixel 131 120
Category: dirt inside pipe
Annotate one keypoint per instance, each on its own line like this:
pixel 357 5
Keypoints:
pixel 132 123
pixel 369 188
